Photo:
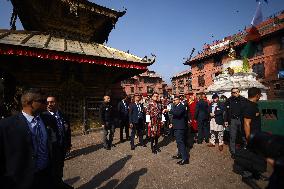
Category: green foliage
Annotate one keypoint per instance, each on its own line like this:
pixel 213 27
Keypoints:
pixel 246 67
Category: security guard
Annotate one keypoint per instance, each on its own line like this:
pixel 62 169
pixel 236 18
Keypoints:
pixel 107 121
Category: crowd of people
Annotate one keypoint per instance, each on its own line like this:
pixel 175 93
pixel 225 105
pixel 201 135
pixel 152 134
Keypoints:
pixel 179 117
pixel 34 143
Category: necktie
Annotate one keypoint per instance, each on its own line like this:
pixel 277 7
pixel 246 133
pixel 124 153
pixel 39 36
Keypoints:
pixel 41 150
pixel 37 130
pixel 60 127
pixel 139 111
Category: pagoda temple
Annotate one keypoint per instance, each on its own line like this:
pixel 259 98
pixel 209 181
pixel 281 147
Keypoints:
pixel 61 50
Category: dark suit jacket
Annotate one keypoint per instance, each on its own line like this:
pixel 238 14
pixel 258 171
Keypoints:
pixel 17 163
pixel 122 111
pixel 219 113
pixel 133 113
pixel 201 111
pixel 179 117
pixel 67 130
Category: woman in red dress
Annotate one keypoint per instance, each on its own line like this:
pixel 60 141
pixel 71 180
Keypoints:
pixel 192 105
pixel 154 119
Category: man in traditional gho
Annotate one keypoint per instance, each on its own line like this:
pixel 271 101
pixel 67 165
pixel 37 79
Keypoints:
pixel 216 111
pixel 154 120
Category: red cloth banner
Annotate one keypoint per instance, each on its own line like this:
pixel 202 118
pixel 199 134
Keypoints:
pixel 53 55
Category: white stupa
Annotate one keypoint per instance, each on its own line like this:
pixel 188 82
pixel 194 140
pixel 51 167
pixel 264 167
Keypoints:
pixel 224 82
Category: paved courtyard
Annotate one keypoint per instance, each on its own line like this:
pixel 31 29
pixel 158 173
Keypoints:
pixel 90 166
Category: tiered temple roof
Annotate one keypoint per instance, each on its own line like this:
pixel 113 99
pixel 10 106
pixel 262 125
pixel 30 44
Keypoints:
pixel 45 46
pixel 75 19
pixel 67 30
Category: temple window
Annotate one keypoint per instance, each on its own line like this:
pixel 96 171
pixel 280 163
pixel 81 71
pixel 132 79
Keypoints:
pixel 149 89
pixel 132 90
pixel 281 64
pixel 259 69
pixel 259 49
pixel 282 42
pixel 180 82
pixel 200 66
pixel 181 89
pixel 201 81
pixel 217 62
pixel 189 83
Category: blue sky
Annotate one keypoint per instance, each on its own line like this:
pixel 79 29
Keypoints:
pixel 171 28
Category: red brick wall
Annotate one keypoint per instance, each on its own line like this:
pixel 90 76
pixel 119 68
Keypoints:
pixel 271 57
pixel 157 85
pixel 184 86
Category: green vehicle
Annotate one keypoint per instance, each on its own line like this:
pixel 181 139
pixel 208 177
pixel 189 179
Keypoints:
pixel 272 116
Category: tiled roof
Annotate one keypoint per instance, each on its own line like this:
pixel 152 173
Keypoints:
pixel 182 73
pixel 150 74
pixel 267 27
pixel 45 41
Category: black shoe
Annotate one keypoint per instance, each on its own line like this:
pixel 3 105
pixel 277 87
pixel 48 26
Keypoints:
pixel 250 182
pixel 154 151
pixel 113 145
pixel 158 150
pixel 183 162
pixel 207 141
pixel 176 157
pixel 260 176
pixel 64 185
pixel 107 148
pixel 132 148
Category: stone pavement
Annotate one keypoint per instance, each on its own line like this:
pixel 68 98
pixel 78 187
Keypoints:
pixel 90 166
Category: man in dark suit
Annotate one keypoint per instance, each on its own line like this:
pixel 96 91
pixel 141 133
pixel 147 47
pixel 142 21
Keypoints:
pixel 28 146
pixel 136 120
pixel 107 121
pixel 202 117
pixel 63 134
pixel 123 112
pixel 179 124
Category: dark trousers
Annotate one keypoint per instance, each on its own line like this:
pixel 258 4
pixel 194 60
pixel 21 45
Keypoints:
pixel 166 127
pixel 43 179
pixel 124 124
pixel 203 130
pixel 248 163
pixel 180 140
pixel 154 142
pixel 108 133
pixel 235 128
pixel 137 127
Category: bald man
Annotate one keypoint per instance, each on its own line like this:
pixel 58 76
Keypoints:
pixel 107 121
pixel 28 146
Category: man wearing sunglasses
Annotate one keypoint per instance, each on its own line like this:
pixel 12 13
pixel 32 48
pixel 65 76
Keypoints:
pixel 234 117
pixel 63 135
pixel 26 142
